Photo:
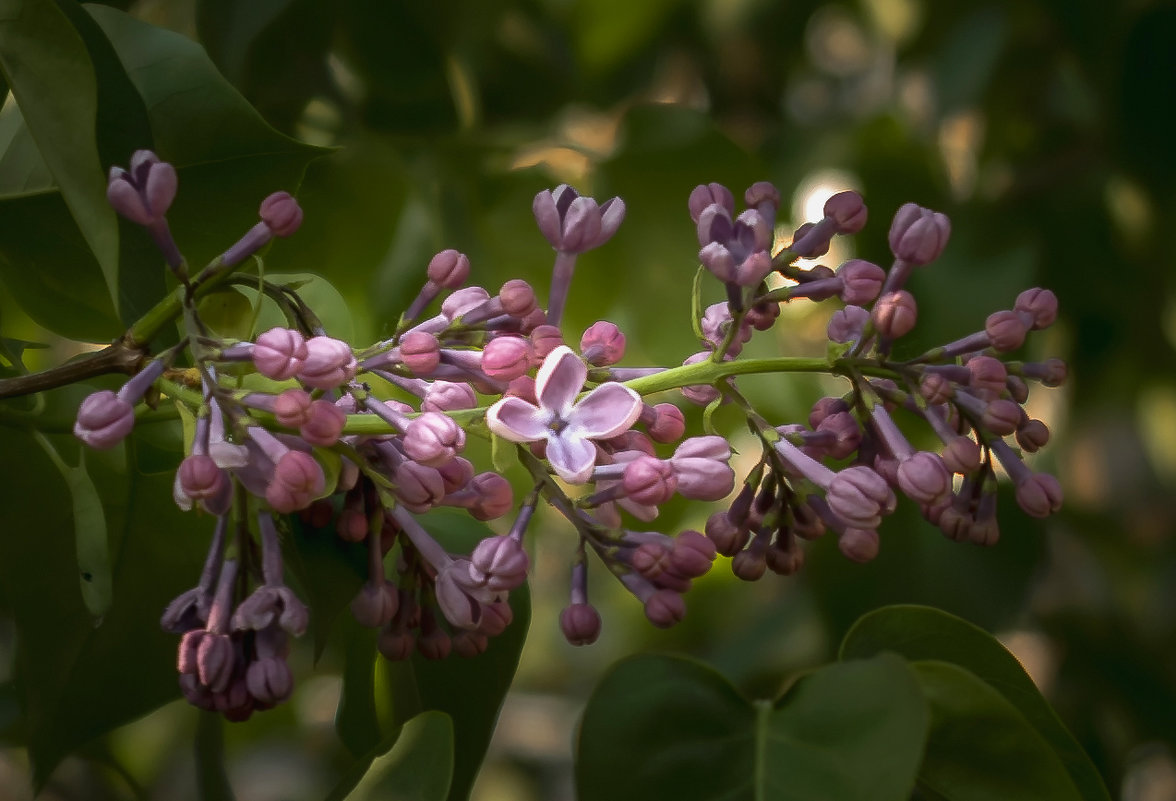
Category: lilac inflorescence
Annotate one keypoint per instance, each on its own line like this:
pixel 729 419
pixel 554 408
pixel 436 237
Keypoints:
pixel 363 441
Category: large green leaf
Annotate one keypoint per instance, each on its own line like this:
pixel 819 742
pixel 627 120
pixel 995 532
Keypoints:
pixel 78 680
pixel 470 691
pixel 666 727
pixel 920 632
pixel 418 768
pixel 228 160
pixel 980 747
pixel 47 66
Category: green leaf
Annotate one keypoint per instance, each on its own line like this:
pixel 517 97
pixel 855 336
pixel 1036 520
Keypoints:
pixel 980 747
pixel 78 681
pixel 329 572
pixel 470 691
pixel 49 71
pixel 667 727
pixel 356 722
pixel 921 632
pixel 228 313
pixel 418 768
pixel 212 782
pixel 89 520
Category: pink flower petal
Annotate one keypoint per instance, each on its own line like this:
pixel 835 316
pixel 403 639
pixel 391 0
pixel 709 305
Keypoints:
pixel 606 411
pixel 518 421
pixel 559 380
pixel 572 457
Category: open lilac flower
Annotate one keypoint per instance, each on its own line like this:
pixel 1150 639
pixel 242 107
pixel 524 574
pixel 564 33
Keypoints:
pixel 567 426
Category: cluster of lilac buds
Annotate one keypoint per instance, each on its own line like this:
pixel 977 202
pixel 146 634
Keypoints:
pixel 363 441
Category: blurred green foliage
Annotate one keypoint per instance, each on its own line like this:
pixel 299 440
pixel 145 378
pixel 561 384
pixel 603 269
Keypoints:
pixel 1044 128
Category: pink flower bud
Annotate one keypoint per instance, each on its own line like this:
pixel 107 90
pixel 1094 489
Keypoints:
pixel 420 352
pixel 668 425
pixel 961 455
pixel 418 486
pixel 1005 330
pixel 523 387
pixel 463 301
pixel 894 314
pixel 761 192
pixel 395 644
pixel 502 563
pixel 727 537
pixel 988 376
pixel 693 554
pixel 281 214
pixel 580 624
pixel 918 235
pixel 376 604
pixel 1039 495
pixel 104 420
pixel 297 480
pixel 449 269
pixel 447 396
pixel 699 394
pixel 665 608
pixel 935 388
pixel 546 338
pixel 924 478
pixel 847 210
pixel 847 434
pixel 1039 305
pixel 324 424
pixel 495 496
pixel 435 644
pixel 496 616
pixel 845 325
pixel 279 353
pixel 861 281
pixel 858 544
pixel 453 588
pixel 700 466
pixel 1032 436
pixel 824 407
pixel 329 363
pixel 145 192
pixel 269 680
pixel 507 357
pixel 433 439
pixel 292 408
pixel 649 481
pixel 1002 417
pixel 352 524
pixel 201 480
pixel 762 316
pixel 455 474
pixel 749 564
pixel 860 496
pixel 517 297
pixel 602 344
pixel 214 661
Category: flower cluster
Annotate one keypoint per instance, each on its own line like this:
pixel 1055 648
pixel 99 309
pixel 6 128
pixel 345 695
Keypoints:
pixel 363 441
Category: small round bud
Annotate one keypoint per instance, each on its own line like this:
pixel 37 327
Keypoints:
pixel 848 211
pixel 1039 305
pixel 505 358
pixel 104 420
pixel 961 455
pixel 894 314
pixel 1002 417
pixel 1033 435
pixel 858 544
pixel 449 269
pixel 448 396
pixel 860 496
pixel 494 496
pixel 375 604
pixel 749 565
pixel 924 478
pixel 517 298
pixel 501 562
pixel 669 424
pixel 692 554
pixel 918 235
pixel 988 377
pixel 649 481
pixel 292 408
pixel 433 439
pixel 705 195
pixel 279 353
pixel 324 423
pixel 602 344
pixel 580 624
pixel 1005 330
pixel 761 192
pixel 845 325
pixel 861 281
pixel 728 538
pixel 544 339
pixel 395 644
pixel 665 608
pixel 281 214
pixel 329 363
pixel 297 480
pixel 420 352
pixel 1039 495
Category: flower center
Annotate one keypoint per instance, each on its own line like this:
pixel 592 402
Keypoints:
pixel 557 425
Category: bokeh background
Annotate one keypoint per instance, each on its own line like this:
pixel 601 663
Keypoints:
pixel 1046 129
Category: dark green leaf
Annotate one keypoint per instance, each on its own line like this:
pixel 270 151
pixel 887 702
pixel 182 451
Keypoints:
pixel 356 722
pixel 212 782
pixel 418 768
pixel 49 70
pixel 470 691
pixel 329 572
pixel 920 632
pixel 980 747
pixel 667 727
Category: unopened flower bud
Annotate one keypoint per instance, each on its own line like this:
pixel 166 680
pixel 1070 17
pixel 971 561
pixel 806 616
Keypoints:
pixel 449 269
pixel 649 481
pixel 961 455
pixel 1039 305
pixel 505 358
pixel 104 420
pixel 665 608
pixel 728 538
pixel 935 388
pixel 580 624
pixel 292 408
pixel 861 281
pixel 376 604
pixel 201 480
pixel 924 478
pixel 704 195
pixel 517 298
pixel 281 214
pixel 145 192
pixel 749 564
pixel 668 425
pixel 692 554
pixel 269 680
pixel 848 211
pixel 433 439
pixel 214 661
pixel 420 352
pixel 918 235
pixel 324 424
pixel 858 544
pixel 988 376
pixel 1039 495
pixel 546 338
pixel 396 644
pixel 860 496
pixel 894 314
pixel 602 344
pixel 329 363
pixel 297 480
pixel 1002 417
pixel 1032 436
pixel 501 562
pixel 1005 330
pixel 845 325
pixel 279 353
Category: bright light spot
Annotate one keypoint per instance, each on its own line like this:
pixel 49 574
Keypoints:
pixel 1035 653
pixel 960 138
pixel 1157 414
pixel 808 202
pixel 1129 208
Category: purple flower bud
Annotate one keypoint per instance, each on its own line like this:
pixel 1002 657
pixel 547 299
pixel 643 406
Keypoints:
pixel 496 616
pixel 894 314
pixel 214 661
pixel 546 338
pixel 649 481
pixel 935 388
pixel 602 344
pixel 269 680
pixel 281 214
pixel 665 608
pixel 761 192
pixel 298 479
pixel 449 269
pixel 434 644
pixel 419 486
pixel 924 478
pixel 469 643
pixel 1032 436
pixel 668 425
pixel 324 424
pixel 104 420
pixel 280 353
pixel 961 455
pixel 727 537
pixel 505 358
pixel 845 325
pixel 501 562
pixel 1039 495
pixel 447 396
pixel 824 407
pixel 762 316
pixel 462 301
pixel 988 376
pixel 433 439
pixel 292 408
pixel 699 394
pixel 847 210
pixel 749 564
pixel 455 474
pixel 704 195
pixel 396 644
pixel 200 480
pixel 861 281
pixel 700 466
pixel 918 235
pixel 1051 372
pixel 860 496
pixel 693 554
pixel 858 544
pixel 1039 305
pixel 329 363
pixel 493 496
pixel 454 590
pixel 376 604
pixel 1005 330
pixel 1002 417
pixel 420 352
pixel 580 623
pixel 517 298
pixel 574 224
pixel 144 193
pixel 846 434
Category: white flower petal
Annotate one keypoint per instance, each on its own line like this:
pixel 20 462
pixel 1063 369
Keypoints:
pixel 559 381
pixel 606 411
pixel 517 420
pixel 572 457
